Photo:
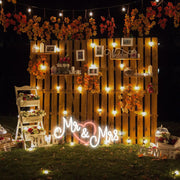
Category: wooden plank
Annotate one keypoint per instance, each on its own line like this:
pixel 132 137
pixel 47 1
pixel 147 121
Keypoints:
pixel 54 93
pixel 132 114
pixel 118 85
pixel 140 70
pixel 76 47
pixel 32 77
pixel 125 115
pixel 155 83
pixel 111 85
pixel 147 96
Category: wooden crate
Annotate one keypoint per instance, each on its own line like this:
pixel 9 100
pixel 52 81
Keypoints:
pixel 84 106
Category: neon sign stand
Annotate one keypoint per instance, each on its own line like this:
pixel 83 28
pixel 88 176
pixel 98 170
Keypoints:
pixel 85 137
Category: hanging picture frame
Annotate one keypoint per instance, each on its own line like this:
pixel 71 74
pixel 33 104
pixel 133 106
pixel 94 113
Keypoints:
pixel 127 42
pixel 80 55
pixel 93 71
pixel 50 48
pixel 99 51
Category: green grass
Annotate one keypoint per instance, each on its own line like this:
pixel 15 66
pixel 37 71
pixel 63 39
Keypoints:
pixel 81 162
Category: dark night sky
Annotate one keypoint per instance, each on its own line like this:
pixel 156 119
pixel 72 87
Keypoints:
pixel 14 51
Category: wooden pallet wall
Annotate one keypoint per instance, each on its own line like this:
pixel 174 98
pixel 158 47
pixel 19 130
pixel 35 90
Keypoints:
pixel 83 106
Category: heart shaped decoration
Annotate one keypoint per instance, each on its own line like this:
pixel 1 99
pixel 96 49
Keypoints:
pixel 84 126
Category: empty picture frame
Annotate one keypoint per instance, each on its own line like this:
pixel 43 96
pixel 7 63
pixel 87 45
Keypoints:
pixel 50 48
pixel 99 51
pixel 127 42
pixel 80 55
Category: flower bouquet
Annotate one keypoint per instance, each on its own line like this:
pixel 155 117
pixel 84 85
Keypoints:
pixel 63 65
pixel 28 97
pixel 34 130
pixel 32 113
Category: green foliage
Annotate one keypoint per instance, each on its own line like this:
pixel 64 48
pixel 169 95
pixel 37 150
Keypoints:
pixel 81 162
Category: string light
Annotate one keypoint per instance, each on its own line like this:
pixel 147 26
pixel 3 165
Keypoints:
pixel 122 88
pixel 29 10
pixel 92 45
pixel 90 13
pixel 122 66
pixel 123 9
pixel 72 144
pixel 144 141
pixel 114 44
pixel 129 141
pixel 144 113
pixel 60 14
pixel 107 89
pixel 80 89
pixel 151 43
pixel 45 171
pixel 43 67
pixel 177 173
pixel 58 88
pixel 114 112
pixel 99 111
pixel 0 1
pixel 57 49
pixel 137 88
pixel 64 113
pixel 157 1
pixel 37 87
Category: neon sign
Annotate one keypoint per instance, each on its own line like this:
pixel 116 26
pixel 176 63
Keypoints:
pixel 85 137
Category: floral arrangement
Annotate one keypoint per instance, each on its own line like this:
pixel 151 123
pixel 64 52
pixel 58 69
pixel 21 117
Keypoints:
pixel 90 83
pixel 28 97
pixel 38 67
pixel 130 100
pixel 107 25
pixel 34 130
pixel 150 88
pixel 1 138
pixel 155 15
pixel 165 138
pixel 65 60
pixel 32 113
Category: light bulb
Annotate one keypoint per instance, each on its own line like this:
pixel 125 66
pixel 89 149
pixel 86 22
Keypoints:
pixel 29 10
pixel 37 87
pixel 122 88
pixel 92 45
pixel 42 67
pixel 128 141
pixel 144 113
pixel 144 141
pixel 90 13
pixel 64 113
pixel 122 66
pixel 123 9
pixel 137 88
pixel 176 172
pixel 72 144
pixel 80 89
pixel 99 111
pixel 57 49
pixel 60 14
pixel 157 1
pixel 45 172
pixel 114 44
pixel 107 89
pixel 0 1
pixel 58 88
pixel 114 112
pixel 151 43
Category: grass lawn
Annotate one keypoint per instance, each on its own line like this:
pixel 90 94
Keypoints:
pixel 81 162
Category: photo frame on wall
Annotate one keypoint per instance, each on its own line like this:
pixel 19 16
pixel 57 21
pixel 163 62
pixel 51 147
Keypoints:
pixel 99 51
pixel 50 48
pixel 80 55
pixel 93 71
pixel 127 42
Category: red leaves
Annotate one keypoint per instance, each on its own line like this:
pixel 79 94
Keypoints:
pixel 162 23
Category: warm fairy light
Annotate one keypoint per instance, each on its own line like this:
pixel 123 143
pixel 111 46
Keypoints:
pixel 114 44
pixel 45 171
pixel 58 88
pixel 144 113
pixel 151 43
pixel 122 66
pixel 144 141
pixel 93 66
pixel 60 14
pixel 99 111
pixel 107 89
pixel 177 173
pixel 137 88
pixel 80 89
pixel 57 49
pixel 114 112
pixel 43 67
pixel 72 144
pixel 0 1
pixel 129 141
pixel 64 113
pixel 92 45
pixel 29 10
pixel 157 1
pixel 123 9
pixel 106 143
pixel 122 88
pixel 37 87
pixel 121 133
pixel 90 13
pixel 30 149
